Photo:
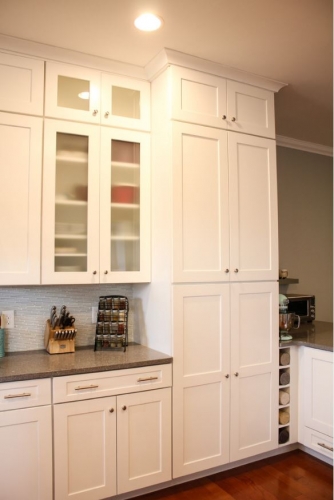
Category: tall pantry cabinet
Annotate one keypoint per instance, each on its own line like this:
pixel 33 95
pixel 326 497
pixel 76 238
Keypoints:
pixel 213 298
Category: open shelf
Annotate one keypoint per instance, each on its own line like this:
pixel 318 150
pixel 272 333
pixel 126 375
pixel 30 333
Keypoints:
pixel 288 281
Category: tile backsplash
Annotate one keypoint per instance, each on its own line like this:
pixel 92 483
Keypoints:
pixel 32 306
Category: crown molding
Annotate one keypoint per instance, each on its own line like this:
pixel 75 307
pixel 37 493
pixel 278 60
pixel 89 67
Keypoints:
pixel 310 147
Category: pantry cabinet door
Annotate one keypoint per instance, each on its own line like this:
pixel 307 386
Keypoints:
pixel 201 377
pixel 250 109
pixel 21 84
pixel 70 240
pixel 143 439
pixel 198 97
pixel 72 93
pixel 125 102
pixel 85 449
pixel 124 206
pixel 26 454
pixel 20 200
pixel 201 200
pixel 253 208
pixel 254 369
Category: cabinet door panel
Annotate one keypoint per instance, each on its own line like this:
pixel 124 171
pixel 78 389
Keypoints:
pixel 20 201
pixel 198 97
pixel 85 449
pixel 253 208
pixel 143 439
pixel 254 368
pixel 21 84
pixel 200 217
pixel 70 242
pixel 200 377
pixel 26 454
pixel 252 108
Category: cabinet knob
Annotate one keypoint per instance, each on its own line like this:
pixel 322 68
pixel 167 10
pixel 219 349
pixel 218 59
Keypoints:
pixel 236 270
pixel 105 272
pixel 106 114
pixel 224 117
pixel 236 374
pixel 227 375
pixel 94 272
pixel 95 112
pixel 227 271
pixel 124 408
pixel 111 410
pixel 233 119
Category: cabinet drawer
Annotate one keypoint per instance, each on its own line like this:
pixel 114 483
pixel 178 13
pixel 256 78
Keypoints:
pixel 319 442
pixel 101 384
pixel 24 394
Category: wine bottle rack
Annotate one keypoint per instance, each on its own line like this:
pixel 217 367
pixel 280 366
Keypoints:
pixel 284 408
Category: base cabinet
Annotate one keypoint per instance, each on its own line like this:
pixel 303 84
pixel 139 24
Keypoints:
pixel 225 372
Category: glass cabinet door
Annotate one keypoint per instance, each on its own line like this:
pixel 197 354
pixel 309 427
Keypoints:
pixel 124 210
pixel 125 102
pixel 70 213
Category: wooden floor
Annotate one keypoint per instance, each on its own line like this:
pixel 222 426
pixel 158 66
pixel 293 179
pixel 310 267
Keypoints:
pixel 292 476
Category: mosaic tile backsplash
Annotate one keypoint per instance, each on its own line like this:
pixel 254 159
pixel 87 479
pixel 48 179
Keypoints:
pixel 32 306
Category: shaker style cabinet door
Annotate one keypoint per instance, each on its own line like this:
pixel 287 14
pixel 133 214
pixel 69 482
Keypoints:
pixel 26 454
pixel 20 200
pixel 124 206
pixel 253 208
pixel 21 84
pixel 70 242
pixel 200 204
pixel 85 449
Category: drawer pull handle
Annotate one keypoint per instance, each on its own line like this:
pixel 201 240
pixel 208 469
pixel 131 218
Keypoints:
pixel 325 446
pixel 23 395
pixel 86 387
pixel 146 379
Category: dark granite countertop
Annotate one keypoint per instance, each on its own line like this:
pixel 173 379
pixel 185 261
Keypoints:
pixel 318 334
pixel 40 364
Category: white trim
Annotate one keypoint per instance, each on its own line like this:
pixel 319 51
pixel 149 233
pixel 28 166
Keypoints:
pixel 310 147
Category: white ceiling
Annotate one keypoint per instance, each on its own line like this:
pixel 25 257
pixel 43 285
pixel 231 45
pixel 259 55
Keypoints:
pixel 286 40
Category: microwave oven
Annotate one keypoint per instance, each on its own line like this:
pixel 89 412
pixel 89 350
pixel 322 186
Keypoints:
pixel 302 305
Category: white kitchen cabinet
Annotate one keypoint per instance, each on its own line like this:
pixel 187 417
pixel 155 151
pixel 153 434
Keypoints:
pixel 21 84
pixel 206 99
pixel 96 188
pixel 316 404
pixel 20 201
pixel 84 94
pixel 101 440
pixel 26 440
pixel 225 206
pixel 224 374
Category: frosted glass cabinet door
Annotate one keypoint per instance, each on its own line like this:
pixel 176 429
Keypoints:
pixel 70 203
pixel 20 200
pixel 125 102
pixel 124 207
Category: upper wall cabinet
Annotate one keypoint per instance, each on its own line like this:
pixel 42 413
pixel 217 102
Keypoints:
pixel 20 201
pixel 82 94
pixel 21 84
pixel 216 102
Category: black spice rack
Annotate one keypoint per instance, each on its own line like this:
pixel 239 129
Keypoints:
pixel 112 323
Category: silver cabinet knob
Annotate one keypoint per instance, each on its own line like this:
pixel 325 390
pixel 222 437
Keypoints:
pixel 233 119
pixel 106 114
pixel 236 374
pixel 105 272
pixel 227 376
pixel 95 112
pixel 94 272
pixel 124 408
pixel 111 410
pixel 224 117
pixel 236 270
pixel 227 271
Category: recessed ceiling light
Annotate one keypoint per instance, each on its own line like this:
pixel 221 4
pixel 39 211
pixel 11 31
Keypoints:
pixel 148 22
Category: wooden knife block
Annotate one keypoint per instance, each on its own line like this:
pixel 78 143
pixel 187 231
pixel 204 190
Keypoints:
pixel 57 346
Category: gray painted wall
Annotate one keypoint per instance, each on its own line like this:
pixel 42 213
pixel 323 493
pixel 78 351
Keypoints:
pixel 305 218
